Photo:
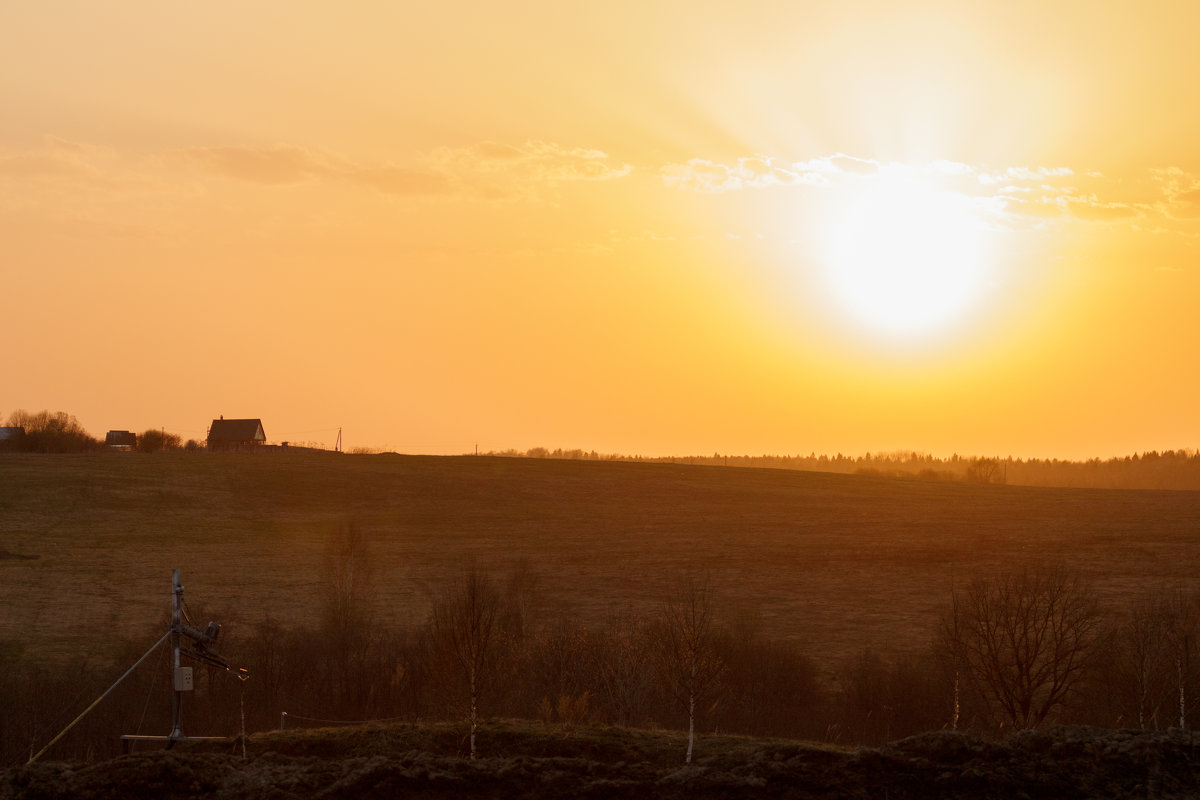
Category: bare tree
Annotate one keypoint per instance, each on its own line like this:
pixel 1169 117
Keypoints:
pixel 625 667
pixel 1024 640
pixel 346 616
pixel 1143 661
pixel 47 432
pixel 466 631
pixel 688 662
pixel 985 470
pixel 1180 636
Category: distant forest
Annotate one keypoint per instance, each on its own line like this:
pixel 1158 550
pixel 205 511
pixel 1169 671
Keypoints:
pixel 1171 469
pixel 59 432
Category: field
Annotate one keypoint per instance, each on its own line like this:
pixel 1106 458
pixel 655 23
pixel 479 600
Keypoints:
pixel 526 760
pixel 838 563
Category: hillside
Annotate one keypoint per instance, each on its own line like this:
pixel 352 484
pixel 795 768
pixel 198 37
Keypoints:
pixel 837 562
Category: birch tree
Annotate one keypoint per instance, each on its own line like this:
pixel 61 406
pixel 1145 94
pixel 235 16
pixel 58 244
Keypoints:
pixel 1144 659
pixel 467 634
pixel 688 662
pixel 1180 636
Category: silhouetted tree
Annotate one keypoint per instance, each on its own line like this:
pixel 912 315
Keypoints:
pixel 47 432
pixel 1024 639
pixel 624 667
pixel 688 662
pixel 985 470
pixel 153 440
pixel 466 635
pixel 768 687
pixel 347 618
pixel 1143 659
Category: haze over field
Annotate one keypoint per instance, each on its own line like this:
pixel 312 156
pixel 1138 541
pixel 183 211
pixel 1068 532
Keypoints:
pixel 783 228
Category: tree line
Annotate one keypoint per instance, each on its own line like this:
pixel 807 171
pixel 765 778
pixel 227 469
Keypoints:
pixel 1011 651
pixel 1169 469
pixel 60 432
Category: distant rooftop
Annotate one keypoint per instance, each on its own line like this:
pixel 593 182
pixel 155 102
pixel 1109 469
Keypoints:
pixel 229 431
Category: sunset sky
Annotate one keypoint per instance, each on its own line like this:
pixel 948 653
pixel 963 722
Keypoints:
pixel 637 227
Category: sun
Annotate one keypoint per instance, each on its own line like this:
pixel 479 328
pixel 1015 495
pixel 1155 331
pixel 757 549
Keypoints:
pixel 906 259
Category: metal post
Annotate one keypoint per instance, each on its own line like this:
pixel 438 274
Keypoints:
pixel 176 627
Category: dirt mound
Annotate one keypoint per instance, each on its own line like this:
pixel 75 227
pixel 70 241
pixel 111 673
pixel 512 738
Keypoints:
pixel 1059 763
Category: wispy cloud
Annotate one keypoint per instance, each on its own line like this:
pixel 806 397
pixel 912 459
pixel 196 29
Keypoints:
pixel 401 180
pixel 487 169
pixel 1010 174
pixel 1180 192
pixel 1093 209
pixel 702 175
pixel 279 164
pixel 55 158
pixel 1035 191
pixel 532 162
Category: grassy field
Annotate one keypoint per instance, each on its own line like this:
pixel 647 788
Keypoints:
pixel 525 760
pixel 836 562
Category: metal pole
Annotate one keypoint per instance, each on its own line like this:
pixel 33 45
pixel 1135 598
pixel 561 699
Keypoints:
pixel 96 702
pixel 176 627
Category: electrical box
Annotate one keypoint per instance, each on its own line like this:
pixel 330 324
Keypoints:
pixel 183 679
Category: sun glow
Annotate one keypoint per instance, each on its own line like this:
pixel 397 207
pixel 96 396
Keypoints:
pixel 906 259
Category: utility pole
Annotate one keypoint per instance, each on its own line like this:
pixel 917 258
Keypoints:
pixel 182 676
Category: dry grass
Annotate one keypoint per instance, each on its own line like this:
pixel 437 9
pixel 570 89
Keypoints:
pixel 524 762
pixel 837 562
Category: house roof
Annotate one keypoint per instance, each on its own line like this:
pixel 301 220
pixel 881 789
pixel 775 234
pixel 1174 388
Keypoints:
pixel 12 433
pixel 237 430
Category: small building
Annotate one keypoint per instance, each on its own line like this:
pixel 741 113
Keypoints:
pixel 120 440
pixel 235 434
pixel 12 438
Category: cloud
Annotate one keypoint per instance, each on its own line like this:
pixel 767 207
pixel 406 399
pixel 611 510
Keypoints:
pixel 279 164
pixel 1035 174
pixel 1094 210
pixel 488 170
pixel 1088 208
pixel 852 165
pixel 401 180
pixel 956 168
pixel 1039 207
pixel 1082 207
pixel 533 162
pixel 1182 192
pixel 711 177
pixel 55 158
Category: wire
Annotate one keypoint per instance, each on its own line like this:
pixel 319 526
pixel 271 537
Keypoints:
pixel 153 683
pixel 346 721
pixel 96 702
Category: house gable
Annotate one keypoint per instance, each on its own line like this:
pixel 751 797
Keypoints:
pixel 236 432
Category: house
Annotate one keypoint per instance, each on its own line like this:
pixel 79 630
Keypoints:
pixel 12 438
pixel 120 440
pixel 235 434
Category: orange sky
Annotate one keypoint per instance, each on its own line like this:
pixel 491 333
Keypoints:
pixel 616 228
